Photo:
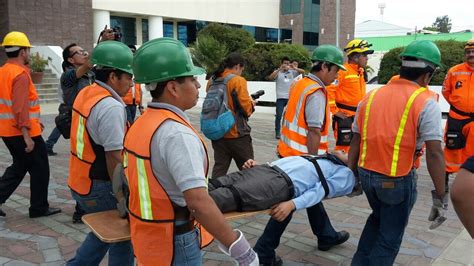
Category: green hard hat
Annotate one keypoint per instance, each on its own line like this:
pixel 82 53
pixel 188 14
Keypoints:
pixel 113 54
pixel 424 50
pixel 163 59
pixel 329 53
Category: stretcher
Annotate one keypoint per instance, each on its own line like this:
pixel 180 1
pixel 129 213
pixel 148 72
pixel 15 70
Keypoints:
pixel 110 228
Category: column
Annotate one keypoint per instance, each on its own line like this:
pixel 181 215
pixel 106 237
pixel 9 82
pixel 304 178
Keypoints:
pixel 101 18
pixel 175 29
pixel 155 27
pixel 138 30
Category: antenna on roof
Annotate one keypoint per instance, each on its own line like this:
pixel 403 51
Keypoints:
pixel 381 7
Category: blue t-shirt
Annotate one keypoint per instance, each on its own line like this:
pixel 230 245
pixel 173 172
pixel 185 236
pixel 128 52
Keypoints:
pixel 308 188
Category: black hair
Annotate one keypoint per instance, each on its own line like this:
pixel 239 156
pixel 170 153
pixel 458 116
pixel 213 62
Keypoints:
pixel 285 58
pixel 231 60
pixel 131 46
pixel 103 74
pixel 14 54
pixel 412 73
pixel 160 87
pixel 318 66
pixel 66 55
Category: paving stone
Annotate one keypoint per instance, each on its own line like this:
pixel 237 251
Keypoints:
pixel 18 263
pixel 51 255
pixel 299 246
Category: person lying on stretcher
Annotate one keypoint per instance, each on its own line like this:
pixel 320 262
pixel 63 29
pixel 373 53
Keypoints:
pixel 284 185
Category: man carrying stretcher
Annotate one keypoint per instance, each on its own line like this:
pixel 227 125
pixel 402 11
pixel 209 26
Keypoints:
pixel 284 185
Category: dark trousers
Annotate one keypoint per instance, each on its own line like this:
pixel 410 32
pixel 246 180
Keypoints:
pixel 131 112
pixel 280 106
pixel 270 239
pixel 254 189
pixel 52 139
pixel 239 149
pixel 35 163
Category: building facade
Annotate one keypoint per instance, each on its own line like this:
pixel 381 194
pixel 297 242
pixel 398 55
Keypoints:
pixel 60 22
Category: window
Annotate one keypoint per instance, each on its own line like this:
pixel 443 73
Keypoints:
pixel 144 30
pixel 310 38
pixel 311 16
pixel 286 35
pixel 290 7
pixel 168 29
pixel 127 27
pixel 264 34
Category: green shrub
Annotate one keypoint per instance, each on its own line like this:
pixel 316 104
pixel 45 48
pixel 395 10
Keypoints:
pixel 235 39
pixel 263 58
pixel 452 53
pixel 37 62
pixel 208 53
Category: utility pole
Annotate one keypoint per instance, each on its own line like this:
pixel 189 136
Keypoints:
pixel 338 20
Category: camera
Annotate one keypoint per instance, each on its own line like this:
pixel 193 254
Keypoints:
pixel 115 30
pixel 257 94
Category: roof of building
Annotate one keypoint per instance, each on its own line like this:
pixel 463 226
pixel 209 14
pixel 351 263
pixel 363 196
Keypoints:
pixel 375 28
pixel 386 43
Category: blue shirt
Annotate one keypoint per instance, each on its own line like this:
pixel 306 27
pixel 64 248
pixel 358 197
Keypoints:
pixel 308 188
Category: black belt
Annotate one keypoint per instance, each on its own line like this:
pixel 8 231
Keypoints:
pixel 184 228
pixel 459 112
pixel 287 179
pixel 322 179
pixel 347 107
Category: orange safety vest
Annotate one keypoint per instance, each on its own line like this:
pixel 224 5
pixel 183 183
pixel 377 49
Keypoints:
pixel 388 123
pixel 133 96
pixel 87 159
pixel 348 91
pixel 8 124
pixel 152 214
pixel 294 130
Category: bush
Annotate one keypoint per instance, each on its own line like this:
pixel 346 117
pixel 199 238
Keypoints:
pixel 263 58
pixel 452 53
pixel 208 53
pixel 235 39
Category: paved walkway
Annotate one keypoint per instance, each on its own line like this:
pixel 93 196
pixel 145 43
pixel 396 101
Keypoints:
pixel 53 240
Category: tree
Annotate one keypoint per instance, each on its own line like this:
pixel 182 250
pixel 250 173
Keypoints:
pixel 443 24
pixel 235 39
pixel 208 52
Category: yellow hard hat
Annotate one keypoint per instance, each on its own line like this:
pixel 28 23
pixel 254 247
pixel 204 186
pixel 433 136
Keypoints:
pixel 16 38
pixel 469 44
pixel 358 46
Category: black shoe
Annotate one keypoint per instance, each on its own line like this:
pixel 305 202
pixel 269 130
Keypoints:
pixel 343 236
pixel 277 261
pixel 77 218
pixel 49 212
pixel 2 213
pixel 277 135
pixel 51 153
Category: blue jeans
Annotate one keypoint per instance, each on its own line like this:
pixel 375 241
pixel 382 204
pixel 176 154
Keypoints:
pixel 270 239
pixel 187 250
pixel 52 139
pixel 280 105
pixel 92 250
pixel 391 200
pixel 131 112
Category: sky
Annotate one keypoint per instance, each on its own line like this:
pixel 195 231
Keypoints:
pixel 418 13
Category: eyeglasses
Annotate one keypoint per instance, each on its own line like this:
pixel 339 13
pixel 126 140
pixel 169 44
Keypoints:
pixel 81 52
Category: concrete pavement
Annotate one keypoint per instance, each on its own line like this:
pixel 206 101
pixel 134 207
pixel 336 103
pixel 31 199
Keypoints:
pixel 53 240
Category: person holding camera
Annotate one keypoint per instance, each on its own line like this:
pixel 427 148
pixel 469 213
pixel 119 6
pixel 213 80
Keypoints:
pixel 237 143
pixel 283 77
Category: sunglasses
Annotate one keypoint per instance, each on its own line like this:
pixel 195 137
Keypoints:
pixel 81 52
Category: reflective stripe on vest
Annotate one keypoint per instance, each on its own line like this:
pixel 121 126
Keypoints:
pixel 401 128
pixel 144 191
pixel 364 132
pixel 80 138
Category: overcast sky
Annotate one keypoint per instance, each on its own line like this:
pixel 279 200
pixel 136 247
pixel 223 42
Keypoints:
pixel 420 13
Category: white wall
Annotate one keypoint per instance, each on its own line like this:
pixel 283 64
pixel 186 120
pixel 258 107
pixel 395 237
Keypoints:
pixel 262 13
